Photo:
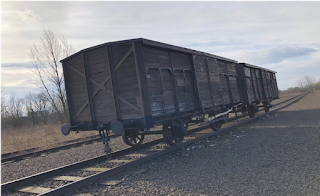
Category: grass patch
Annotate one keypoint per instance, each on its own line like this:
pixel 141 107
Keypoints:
pixel 19 139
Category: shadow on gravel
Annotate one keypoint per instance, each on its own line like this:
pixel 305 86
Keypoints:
pixel 276 155
pixel 293 118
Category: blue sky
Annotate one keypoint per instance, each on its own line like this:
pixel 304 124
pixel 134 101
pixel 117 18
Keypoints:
pixel 282 36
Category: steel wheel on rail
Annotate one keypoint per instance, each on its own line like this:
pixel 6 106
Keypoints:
pixel 265 106
pixel 172 136
pixel 216 126
pixel 132 138
pixel 251 111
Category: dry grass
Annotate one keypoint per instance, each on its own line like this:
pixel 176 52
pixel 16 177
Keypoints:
pixel 24 138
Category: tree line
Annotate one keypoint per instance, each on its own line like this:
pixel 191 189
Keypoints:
pixel 305 84
pixel 46 73
pixel 32 109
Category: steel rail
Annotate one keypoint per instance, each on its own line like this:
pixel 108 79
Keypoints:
pixel 10 157
pixel 96 177
pixel 56 171
pixel 47 174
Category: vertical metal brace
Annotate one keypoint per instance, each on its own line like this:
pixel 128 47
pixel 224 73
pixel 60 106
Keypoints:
pixel 209 81
pixel 264 90
pixel 229 85
pixel 176 103
pixel 185 88
pixel 195 84
pixel 89 93
pixel 141 68
pixel 163 105
pixel 111 80
pixel 259 94
pixel 113 83
pixel 68 97
pixel 223 100
pixel 139 79
pixel 254 90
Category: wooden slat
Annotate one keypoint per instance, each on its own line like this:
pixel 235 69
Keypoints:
pixel 136 155
pixel 96 169
pixel 34 189
pixel 68 178
pixel 111 182
pixel 119 161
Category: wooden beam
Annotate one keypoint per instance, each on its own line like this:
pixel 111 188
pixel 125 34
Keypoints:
pixel 87 78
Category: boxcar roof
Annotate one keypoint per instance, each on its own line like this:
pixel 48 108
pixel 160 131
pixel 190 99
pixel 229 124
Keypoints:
pixel 155 44
pixel 254 66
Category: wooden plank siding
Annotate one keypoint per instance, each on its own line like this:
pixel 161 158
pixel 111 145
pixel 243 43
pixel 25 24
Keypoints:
pixel 126 81
pixel 140 80
pixel 259 82
pixel 77 91
pixel 97 62
pixel 169 81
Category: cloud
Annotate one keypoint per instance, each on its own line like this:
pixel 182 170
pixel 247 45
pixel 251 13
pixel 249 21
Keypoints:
pixel 290 71
pixel 275 55
pixel 15 65
pixel 25 15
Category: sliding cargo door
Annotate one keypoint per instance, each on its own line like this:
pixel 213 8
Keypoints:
pixel 255 84
pixel 234 90
pixel 203 81
pixel 249 85
pixel 184 81
pixel 217 95
pixel 224 82
pixel 169 80
pixel 259 84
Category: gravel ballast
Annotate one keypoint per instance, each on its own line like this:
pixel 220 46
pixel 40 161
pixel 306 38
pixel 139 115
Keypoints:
pixel 27 167
pixel 278 154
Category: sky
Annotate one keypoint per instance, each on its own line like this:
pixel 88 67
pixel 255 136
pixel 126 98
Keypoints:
pixel 281 36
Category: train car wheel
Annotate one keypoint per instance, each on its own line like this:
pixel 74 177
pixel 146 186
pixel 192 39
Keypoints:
pixel 132 138
pixel 251 111
pixel 265 106
pixel 216 126
pixel 172 136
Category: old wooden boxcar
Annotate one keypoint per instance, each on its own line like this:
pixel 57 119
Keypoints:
pixel 258 85
pixel 129 86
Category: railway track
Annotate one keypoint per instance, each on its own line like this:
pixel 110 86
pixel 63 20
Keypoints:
pixel 100 170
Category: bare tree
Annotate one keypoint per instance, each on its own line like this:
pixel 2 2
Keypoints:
pixel 47 69
pixel 14 111
pixel 306 83
pixel 317 85
pixel 38 108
